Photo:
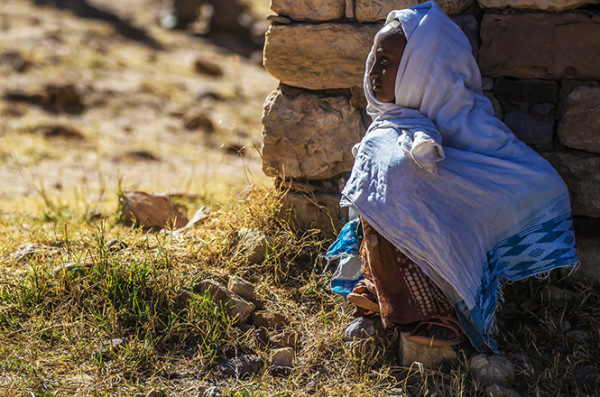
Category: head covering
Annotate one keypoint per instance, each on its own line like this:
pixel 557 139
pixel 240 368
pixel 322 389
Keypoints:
pixel 439 77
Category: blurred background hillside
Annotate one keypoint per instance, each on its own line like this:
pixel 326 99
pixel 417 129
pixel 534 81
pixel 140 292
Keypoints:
pixel 94 93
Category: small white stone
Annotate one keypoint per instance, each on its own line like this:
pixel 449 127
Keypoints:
pixel 283 357
pixel 489 369
pixel 199 217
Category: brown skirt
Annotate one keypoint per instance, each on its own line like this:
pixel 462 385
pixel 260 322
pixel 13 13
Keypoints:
pixel 404 293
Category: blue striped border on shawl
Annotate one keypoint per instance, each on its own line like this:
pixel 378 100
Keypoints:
pixel 535 250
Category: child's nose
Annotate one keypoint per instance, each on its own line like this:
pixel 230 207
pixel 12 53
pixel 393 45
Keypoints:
pixel 373 72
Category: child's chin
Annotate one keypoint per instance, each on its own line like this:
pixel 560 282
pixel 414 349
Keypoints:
pixel 385 100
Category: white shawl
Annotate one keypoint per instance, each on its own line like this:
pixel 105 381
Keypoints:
pixel 449 184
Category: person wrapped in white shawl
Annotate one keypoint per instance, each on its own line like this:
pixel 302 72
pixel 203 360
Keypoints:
pixel 448 184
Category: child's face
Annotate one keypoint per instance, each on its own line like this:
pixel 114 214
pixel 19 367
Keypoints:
pixel 389 47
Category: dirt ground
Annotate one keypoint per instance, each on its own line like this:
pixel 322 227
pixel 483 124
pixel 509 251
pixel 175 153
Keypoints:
pixel 94 93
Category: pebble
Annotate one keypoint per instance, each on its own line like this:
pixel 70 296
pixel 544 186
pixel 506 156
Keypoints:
pixel 58 131
pixel 115 245
pixel 152 210
pixel 111 344
pixel 205 93
pixel 246 364
pixel 63 98
pixel 235 149
pixel 94 216
pixel 359 328
pixel 283 357
pixel 491 369
pixel 577 336
pixel 254 244
pixel 198 120
pixel 243 288
pixel 358 336
pixel 141 155
pixel 15 60
pixel 239 308
pixel 80 380
pixel 555 294
pixel 269 320
pixel 209 68
pixel 198 219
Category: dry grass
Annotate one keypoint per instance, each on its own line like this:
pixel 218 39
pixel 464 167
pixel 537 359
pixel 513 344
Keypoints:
pixel 56 326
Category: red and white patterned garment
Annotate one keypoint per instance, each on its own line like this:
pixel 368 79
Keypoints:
pixel 404 293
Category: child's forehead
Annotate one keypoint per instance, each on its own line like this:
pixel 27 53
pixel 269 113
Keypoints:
pixel 389 38
pixel 391 33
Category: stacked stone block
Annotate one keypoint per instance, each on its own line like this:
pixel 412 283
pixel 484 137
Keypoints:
pixel 540 63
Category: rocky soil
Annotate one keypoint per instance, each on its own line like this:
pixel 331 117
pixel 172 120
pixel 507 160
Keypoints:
pixel 94 94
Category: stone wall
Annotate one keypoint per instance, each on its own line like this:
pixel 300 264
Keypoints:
pixel 540 62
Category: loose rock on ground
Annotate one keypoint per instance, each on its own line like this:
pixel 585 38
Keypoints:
pixel 492 368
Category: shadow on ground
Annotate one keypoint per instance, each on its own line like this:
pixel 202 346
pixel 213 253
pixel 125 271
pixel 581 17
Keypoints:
pixel 83 9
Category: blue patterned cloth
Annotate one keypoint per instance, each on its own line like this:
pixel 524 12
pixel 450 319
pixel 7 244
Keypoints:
pixel 347 242
pixel 346 248
pixel 536 250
